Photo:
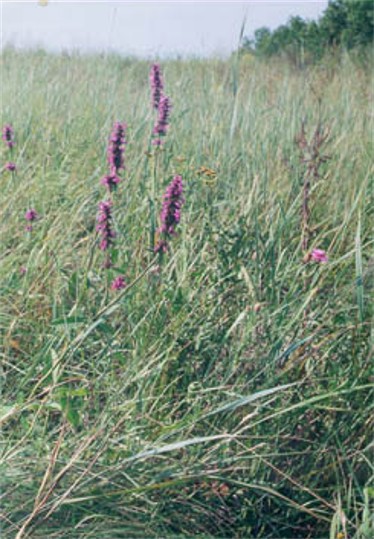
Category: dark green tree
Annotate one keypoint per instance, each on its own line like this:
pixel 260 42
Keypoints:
pixel 333 22
pixel 360 23
pixel 344 23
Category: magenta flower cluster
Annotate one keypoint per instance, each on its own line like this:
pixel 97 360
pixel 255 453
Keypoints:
pixel 157 85
pixel 319 255
pixel 31 215
pixel 10 166
pixel 118 283
pixel 171 213
pixel 8 135
pixel 116 148
pixel 104 226
pixel 173 198
pixel 115 156
pixel 116 162
pixel 162 123
pixel 110 181
pixel 161 103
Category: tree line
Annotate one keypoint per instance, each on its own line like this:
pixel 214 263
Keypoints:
pixel 344 24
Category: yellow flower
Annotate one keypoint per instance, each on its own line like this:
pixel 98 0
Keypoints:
pixel 209 172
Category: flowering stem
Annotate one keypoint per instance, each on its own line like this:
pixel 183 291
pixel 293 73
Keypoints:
pixel 171 213
pixel 305 213
pixel 152 201
pixel 152 224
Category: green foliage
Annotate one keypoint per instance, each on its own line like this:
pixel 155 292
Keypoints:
pixel 345 23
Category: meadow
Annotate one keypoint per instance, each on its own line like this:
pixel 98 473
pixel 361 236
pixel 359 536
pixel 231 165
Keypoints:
pixel 224 390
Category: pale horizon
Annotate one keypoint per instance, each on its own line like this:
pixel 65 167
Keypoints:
pixel 143 29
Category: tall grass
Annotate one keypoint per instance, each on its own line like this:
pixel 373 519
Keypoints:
pixel 227 393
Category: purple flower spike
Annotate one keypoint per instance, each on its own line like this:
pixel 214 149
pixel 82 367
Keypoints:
pixel 157 85
pixel 104 227
pixel 118 283
pixel 116 148
pixel 171 213
pixel 10 166
pixel 8 135
pixel 110 181
pixel 162 124
pixel 173 201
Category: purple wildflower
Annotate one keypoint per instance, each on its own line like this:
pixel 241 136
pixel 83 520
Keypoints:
pixel 319 255
pixel 110 181
pixel 31 215
pixel 161 247
pixel 173 200
pixel 22 270
pixel 104 227
pixel 157 85
pixel 162 124
pixel 8 135
pixel 116 148
pixel 171 213
pixel 118 283
pixel 10 166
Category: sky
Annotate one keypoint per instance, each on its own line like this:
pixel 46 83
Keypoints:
pixel 152 28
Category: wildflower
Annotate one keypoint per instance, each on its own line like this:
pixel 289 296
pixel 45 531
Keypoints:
pixel 157 85
pixel 171 213
pixel 162 124
pixel 116 148
pixel 207 172
pixel 118 283
pixel 110 181
pixel 8 135
pixel 319 255
pixel 22 270
pixel 104 227
pixel 31 215
pixel 173 201
pixel 10 166
pixel 162 247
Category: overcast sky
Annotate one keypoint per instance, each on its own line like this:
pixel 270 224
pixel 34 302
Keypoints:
pixel 144 28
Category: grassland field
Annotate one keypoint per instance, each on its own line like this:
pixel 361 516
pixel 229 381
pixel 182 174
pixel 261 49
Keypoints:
pixel 226 392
